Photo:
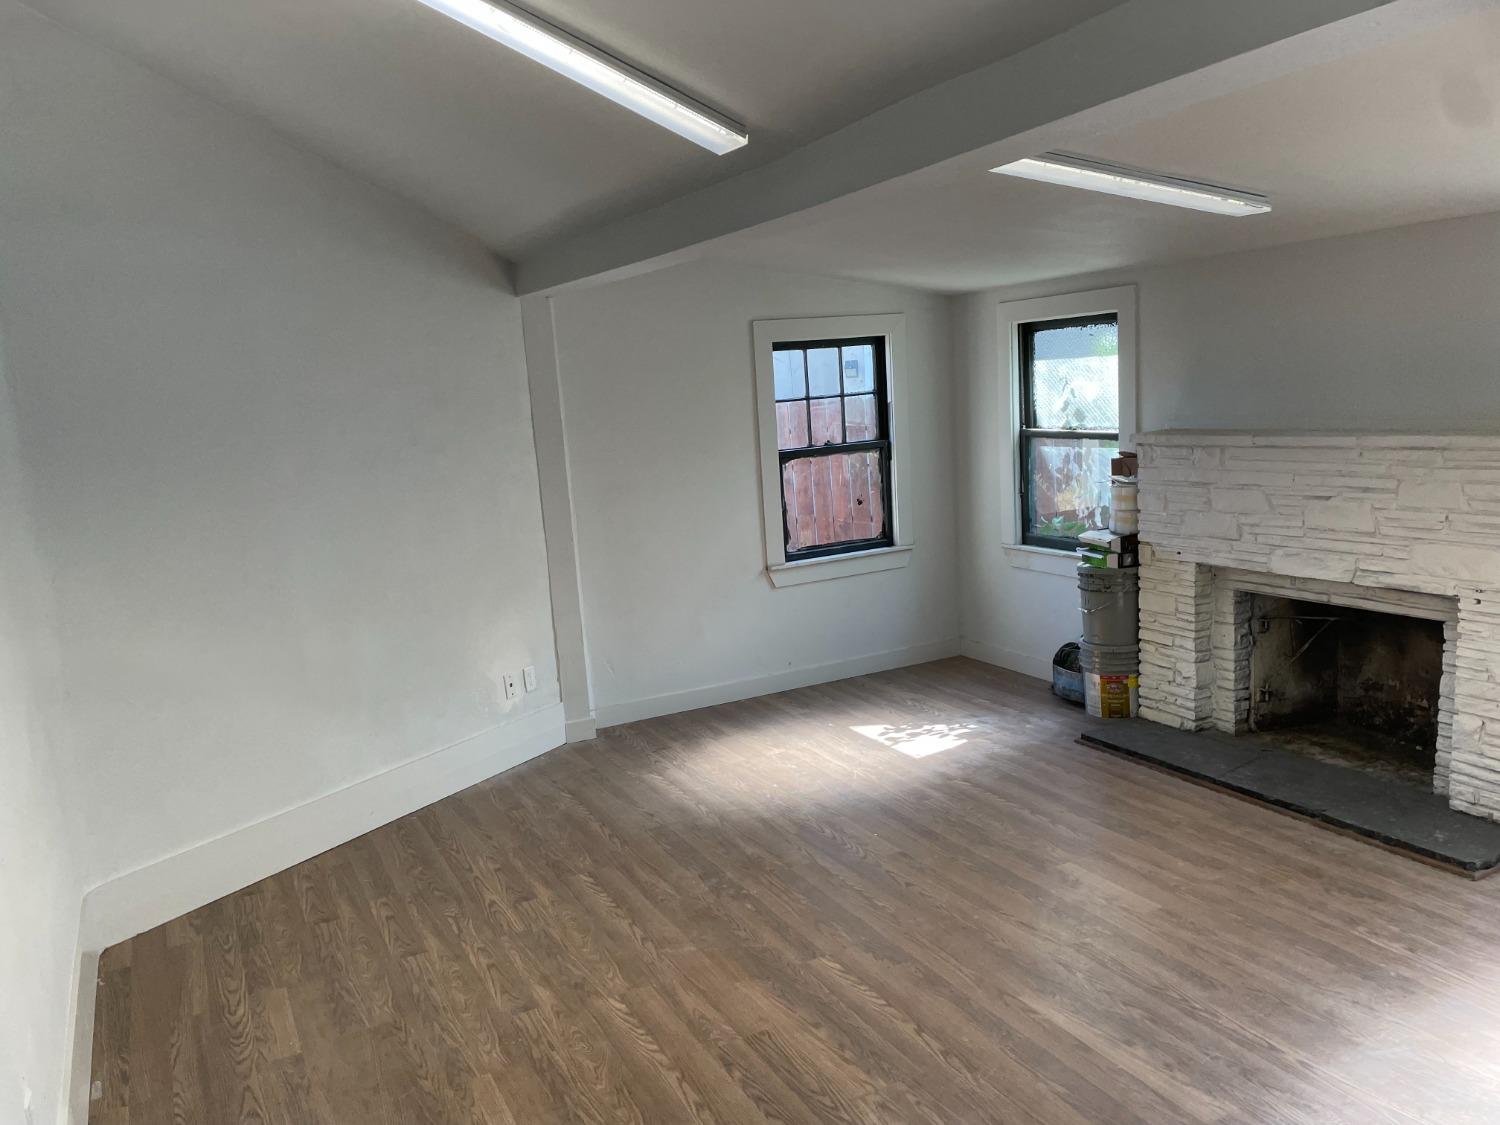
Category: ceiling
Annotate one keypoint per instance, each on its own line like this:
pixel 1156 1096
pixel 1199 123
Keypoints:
pixel 515 154
pixel 1401 133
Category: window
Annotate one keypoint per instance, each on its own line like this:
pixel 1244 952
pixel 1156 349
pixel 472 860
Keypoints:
pixel 1069 425
pixel 833 446
pixel 831 405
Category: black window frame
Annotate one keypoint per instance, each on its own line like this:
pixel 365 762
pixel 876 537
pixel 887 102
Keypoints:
pixel 1028 430
pixel 882 444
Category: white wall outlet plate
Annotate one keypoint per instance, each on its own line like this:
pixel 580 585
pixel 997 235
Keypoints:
pixel 528 676
pixel 509 681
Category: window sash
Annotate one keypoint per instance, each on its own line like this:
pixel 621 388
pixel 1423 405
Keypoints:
pixel 1030 537
pixel 1029 431
pixel 846 546
pixel 807 398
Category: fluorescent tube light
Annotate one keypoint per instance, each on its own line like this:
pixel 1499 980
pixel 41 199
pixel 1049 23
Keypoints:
pixel 1115 179
pixel 600 72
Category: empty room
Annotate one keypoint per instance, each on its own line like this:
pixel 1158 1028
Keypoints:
pixel 764 564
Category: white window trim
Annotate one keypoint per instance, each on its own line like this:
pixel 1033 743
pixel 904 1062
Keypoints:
pixel 892 327
pixel 1120 300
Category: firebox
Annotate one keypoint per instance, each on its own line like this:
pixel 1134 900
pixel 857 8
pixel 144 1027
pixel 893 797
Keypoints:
pixel 1348 685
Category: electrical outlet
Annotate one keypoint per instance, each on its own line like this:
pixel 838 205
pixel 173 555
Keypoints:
pixel 509 680
pixel 528 677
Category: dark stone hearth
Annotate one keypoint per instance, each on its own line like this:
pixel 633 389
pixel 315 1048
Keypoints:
pixel 1405 816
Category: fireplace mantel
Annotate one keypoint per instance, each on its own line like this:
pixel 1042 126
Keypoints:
pixel 1392 518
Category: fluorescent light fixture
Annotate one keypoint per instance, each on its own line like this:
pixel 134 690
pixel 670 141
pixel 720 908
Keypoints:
pixel 1115 179
pixel 587 65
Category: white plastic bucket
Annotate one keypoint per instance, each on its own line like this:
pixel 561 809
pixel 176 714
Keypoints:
pixel 1124 521
pixel 1124 496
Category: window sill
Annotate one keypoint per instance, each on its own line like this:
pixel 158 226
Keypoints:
pixel 838 566
pixel 1048 560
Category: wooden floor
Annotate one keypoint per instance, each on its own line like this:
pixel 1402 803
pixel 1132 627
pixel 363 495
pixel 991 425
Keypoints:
pixel 773 912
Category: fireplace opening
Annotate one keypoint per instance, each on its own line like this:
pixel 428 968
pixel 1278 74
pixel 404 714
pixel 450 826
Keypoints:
pixel 1350 686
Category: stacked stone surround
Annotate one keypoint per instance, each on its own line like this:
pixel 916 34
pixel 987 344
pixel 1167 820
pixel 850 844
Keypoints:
pixel 1399 523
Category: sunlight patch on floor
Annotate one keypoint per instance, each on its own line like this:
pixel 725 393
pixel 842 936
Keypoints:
pixel 919 740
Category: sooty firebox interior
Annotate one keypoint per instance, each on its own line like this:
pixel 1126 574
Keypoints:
pixel 1347 685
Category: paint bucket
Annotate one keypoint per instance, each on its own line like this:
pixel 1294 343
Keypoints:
pixel 1110 601
pixel 1108 578
pixel 1111 697
pixel 1109 660
pixel 1123 521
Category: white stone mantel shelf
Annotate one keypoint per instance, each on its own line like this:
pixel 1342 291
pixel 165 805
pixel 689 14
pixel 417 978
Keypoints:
pixel 1379 511
pixel 1333 438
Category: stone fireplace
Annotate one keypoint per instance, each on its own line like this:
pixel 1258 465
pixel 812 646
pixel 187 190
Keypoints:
pixel 1346 579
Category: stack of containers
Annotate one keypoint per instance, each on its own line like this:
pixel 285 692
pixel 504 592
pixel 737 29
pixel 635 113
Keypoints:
pixel 1109 591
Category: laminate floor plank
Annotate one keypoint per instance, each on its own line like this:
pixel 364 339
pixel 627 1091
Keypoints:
pixel 905 899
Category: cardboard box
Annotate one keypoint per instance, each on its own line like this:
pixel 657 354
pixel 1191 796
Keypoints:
pixel 1125 465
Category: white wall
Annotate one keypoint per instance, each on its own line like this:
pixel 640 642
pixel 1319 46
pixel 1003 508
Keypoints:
pixel 658 392
pixel 278 428
pixel 1394 329
pixel 41 884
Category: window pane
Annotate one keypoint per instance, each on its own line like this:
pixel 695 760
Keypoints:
pixel 1075 379
pixel 791 425
pixel 823 371
pixel 787 367
pixel 859 369
pixel 1068 485
pixel 833 499
pixel 861 418
pixel 827 422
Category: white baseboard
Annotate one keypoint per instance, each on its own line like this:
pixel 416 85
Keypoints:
pixel 1028 664
pixel 139 900
pixel 581 730
pixel 614 714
